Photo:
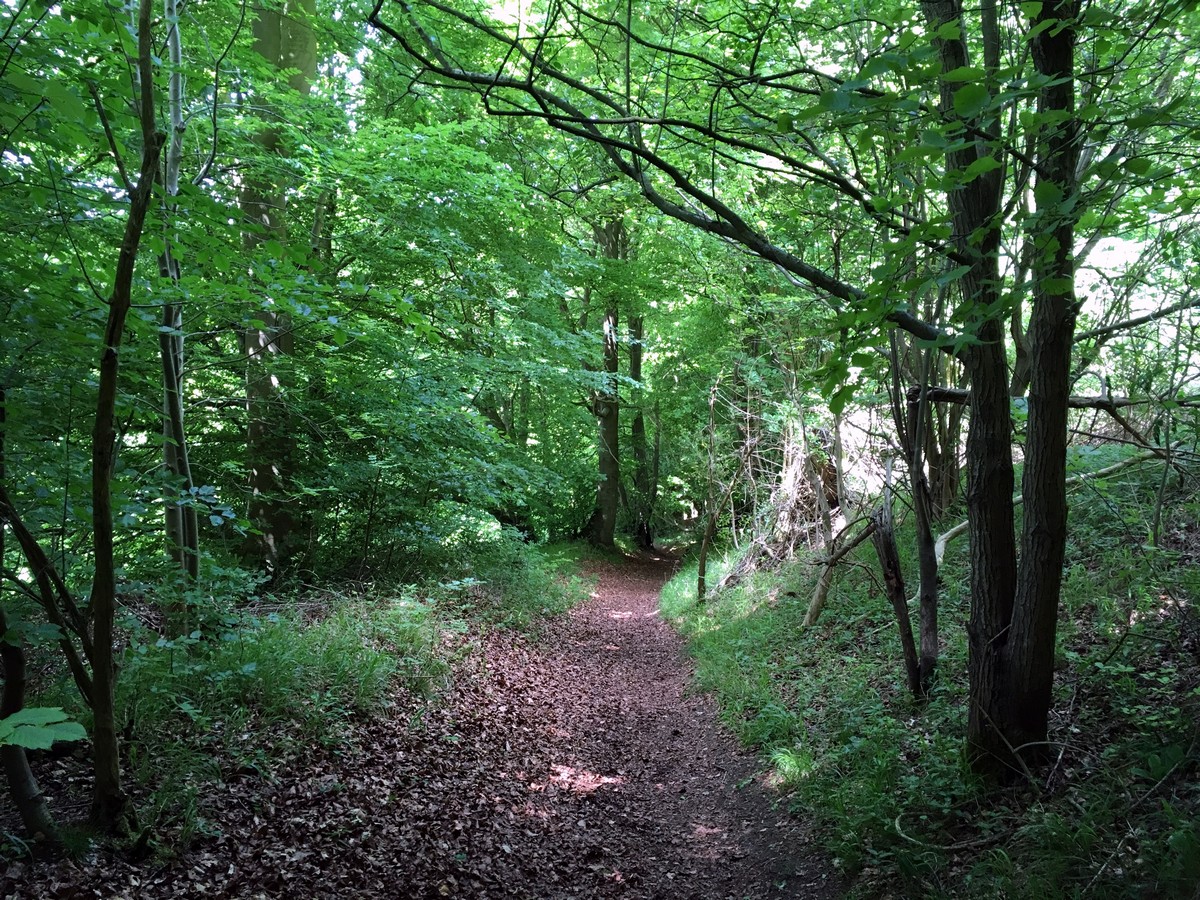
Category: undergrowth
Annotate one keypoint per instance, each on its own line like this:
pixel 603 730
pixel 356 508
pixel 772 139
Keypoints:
pixel 512 584
pixel 254 680
pixel 253 689
pixel 1116 812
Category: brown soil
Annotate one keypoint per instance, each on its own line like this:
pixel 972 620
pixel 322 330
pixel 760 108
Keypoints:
pixel 576 765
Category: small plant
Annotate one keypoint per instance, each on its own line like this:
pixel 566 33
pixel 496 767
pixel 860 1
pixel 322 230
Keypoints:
pixel 39 728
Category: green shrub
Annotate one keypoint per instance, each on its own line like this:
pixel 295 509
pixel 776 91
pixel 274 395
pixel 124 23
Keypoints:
pixel 513 584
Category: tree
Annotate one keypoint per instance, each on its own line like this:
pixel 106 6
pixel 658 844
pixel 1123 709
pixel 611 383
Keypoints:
pixel 110 805
pixel 284 38
pixel 645 458
pixel 181 519
pixel 612 241
pixel 766 108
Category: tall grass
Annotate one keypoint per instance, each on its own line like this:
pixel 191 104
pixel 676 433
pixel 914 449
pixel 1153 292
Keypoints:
pixel 511 584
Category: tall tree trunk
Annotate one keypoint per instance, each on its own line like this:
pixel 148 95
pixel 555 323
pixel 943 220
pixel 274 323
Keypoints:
pixel 284 37
pixel 1014 612
pixel 520 404
pixel 613 241
pixel 643 487
pixel 1051 334
pixel 919 413
pixel 181 521
pixel 110 805
pixel 974 209
pixel 606 406
pixel 913 424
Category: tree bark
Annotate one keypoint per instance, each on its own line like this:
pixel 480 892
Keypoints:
pixel 914 431
pixel 284 37
pixel 181 521
pixel 1051 335
pixel 884 539
pixel 110 805
pixel 606 406
pixel 644 488
pixel 974 209
pixel 613 241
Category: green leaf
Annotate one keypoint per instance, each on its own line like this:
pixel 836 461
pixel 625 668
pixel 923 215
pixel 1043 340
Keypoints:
pixel 1145 119
pixel 1058 285
pixel 970 100
pixel 1048 194
pixel 981 166
pixel 950 31
pixel 834 101
pixel 1138 165
pixel 36 715
pixel 964 73
pixel 38 728
pixel 37 634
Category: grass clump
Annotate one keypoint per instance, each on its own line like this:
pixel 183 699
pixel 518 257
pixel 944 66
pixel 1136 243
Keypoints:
pixel 250 686
pixel 508 583
pixel 827 707
pixel 250 690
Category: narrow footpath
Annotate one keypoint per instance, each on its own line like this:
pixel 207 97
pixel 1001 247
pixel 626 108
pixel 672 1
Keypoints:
pixel 577 765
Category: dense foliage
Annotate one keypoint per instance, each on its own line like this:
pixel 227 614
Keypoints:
pixel 319 320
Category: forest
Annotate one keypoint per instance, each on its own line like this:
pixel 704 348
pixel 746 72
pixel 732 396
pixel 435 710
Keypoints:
pixel 586 448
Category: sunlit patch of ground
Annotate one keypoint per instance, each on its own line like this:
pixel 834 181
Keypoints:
pixel 581 781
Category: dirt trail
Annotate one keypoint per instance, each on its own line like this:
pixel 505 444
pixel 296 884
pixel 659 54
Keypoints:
pixel 574 766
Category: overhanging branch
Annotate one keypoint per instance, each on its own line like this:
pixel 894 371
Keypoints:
pixel 629 155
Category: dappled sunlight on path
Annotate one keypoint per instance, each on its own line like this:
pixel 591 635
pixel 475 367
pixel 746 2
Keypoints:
pixel 574 765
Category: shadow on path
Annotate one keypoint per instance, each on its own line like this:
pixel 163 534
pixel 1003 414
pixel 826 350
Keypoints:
pixel 574 766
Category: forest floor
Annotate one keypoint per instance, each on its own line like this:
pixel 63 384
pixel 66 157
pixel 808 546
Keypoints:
pixel 576 764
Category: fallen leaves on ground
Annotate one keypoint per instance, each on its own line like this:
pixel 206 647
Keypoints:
pixel 576 765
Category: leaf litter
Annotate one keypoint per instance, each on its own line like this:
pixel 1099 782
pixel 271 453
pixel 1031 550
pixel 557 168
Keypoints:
pixel 574 765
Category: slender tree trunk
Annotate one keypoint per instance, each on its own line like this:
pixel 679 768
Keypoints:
pixel 919 411
pixel 521 414
pixel 1051 334
pixel 27 796
pixel 606 407
pixel 884 539
pixel 913 427
pixel 110 805
pixel 974 209
pixel 643 489
pixel 992 553
pixel 60 608
pixel 181 521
